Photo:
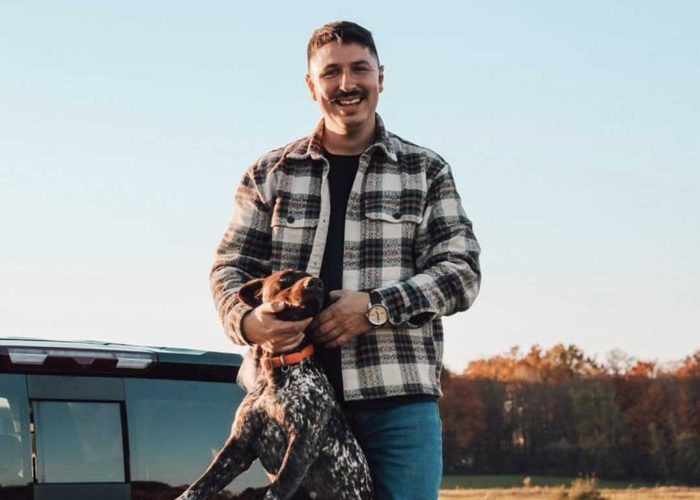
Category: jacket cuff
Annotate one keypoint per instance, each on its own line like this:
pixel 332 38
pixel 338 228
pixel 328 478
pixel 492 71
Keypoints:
pixel 235 329
pixel 403 310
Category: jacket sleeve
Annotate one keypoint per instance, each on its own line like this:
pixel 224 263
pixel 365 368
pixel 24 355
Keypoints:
pixel 242 255
pixel 446 256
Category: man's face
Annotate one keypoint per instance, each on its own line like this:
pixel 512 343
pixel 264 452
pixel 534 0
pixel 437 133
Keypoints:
pixel 345 80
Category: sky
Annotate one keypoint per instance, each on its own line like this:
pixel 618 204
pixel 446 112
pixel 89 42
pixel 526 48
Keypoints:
pixel 572 129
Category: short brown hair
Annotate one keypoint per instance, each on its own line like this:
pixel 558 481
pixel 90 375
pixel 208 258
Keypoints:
pixel 340 32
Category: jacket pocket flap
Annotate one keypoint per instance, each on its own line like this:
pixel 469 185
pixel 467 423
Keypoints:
pixel 293 220
pixel 394 216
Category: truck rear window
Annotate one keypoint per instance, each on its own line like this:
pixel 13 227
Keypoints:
pixel 78 442
pixel 176 427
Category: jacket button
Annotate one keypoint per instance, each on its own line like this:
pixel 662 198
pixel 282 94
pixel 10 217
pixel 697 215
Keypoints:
pixel 290 218
pixel 396 215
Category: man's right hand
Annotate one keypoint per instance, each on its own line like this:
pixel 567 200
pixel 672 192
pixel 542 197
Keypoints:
pixel 261 327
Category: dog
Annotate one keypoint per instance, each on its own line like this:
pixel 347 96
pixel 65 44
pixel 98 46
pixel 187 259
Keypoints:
pixel 290 419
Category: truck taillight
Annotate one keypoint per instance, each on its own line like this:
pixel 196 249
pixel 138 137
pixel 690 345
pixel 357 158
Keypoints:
pixel 127 360
pixel 27 356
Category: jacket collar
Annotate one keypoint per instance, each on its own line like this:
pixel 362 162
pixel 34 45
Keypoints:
pixel 312 146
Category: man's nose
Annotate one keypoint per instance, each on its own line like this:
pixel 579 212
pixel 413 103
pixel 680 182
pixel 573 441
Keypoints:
pixel 346 81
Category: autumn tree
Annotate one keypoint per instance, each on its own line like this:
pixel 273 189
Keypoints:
pixel 463 413
pixel 559 411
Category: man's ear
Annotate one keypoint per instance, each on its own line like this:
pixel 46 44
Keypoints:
pixel 311 86
pixel 381 78
pixel 251 293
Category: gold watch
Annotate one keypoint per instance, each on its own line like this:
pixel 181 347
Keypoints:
pixel 377 313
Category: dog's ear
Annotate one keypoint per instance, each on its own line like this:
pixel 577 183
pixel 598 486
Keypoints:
pixel 251 293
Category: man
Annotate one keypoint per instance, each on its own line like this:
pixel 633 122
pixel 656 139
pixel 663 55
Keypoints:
pixel 380 221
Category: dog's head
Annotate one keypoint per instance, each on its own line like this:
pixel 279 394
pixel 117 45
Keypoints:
pixel 301 293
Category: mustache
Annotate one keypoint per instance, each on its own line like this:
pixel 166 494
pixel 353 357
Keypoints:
pixel 348 95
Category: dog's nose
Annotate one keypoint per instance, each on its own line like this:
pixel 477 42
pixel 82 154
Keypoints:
pixel 313 283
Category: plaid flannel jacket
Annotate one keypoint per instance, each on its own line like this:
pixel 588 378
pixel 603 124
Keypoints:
pixel 406 236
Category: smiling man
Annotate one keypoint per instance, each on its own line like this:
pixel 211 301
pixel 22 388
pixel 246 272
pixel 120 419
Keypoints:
pixel 380 221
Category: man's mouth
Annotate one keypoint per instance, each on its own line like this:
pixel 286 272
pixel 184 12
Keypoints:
pixel 348 100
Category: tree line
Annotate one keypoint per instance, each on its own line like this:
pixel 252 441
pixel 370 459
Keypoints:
pixel 561 412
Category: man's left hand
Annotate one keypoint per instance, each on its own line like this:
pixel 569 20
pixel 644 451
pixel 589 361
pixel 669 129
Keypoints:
pixel 343 320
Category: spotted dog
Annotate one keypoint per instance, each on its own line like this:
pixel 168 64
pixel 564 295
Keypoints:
pixel 290 419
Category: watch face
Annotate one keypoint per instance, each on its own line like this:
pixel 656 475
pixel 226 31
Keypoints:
pixel 377 315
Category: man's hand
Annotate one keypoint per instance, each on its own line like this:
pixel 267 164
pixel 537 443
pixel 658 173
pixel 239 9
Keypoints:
pixel 343 320
pixel 261 327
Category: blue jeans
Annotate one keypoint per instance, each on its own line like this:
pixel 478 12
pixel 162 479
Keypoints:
pixel 403 446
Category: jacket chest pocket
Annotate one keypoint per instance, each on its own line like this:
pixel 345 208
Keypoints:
pixel 293 223
pixel 390 223
pixel 395 212
pixel 397 199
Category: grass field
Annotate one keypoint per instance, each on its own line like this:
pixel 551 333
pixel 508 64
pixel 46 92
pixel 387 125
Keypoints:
pixel 502 487
pixel 516 481
pixel 673 493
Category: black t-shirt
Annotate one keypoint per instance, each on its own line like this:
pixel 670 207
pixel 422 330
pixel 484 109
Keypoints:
pixel 342 173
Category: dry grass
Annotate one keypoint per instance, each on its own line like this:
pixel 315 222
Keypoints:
pixel 673 493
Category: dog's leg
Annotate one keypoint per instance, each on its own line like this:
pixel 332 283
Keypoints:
pixel 233 459
pixel 300 454
pixel 302 451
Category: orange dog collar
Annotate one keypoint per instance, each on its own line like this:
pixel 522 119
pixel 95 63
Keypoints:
pixel 289 359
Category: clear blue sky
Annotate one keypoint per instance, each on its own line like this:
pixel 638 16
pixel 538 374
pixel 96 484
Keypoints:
pixel 572 129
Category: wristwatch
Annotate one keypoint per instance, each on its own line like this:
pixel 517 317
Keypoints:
pixel 377 313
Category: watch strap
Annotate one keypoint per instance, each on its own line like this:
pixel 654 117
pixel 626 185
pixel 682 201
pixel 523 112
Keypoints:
pixel 375 298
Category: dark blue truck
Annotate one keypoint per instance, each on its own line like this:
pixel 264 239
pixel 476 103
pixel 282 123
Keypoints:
pixel 95 420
